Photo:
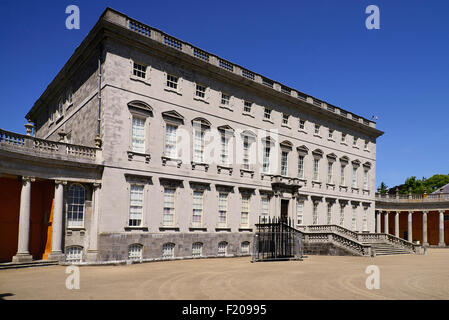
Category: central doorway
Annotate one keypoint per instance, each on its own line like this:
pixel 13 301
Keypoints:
pixel 284 210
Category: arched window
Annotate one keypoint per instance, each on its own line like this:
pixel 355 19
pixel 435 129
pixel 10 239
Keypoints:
pixel 197 249
pixel 74 254
pixel 168 250
pixel 244 248
pixel 75 206
pixel 135 252
pixel 222 248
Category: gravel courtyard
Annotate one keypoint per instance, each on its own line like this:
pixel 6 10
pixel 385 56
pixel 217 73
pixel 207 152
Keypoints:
pixel 317 277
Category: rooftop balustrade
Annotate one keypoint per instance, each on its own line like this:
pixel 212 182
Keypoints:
pixel 207 57
pixel 412 198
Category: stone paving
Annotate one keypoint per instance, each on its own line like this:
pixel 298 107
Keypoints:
pixel 317 277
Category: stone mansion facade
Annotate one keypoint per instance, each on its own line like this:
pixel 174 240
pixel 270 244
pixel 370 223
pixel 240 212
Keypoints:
pixel 159 150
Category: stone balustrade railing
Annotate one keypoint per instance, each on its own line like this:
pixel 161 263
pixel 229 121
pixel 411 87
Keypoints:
pixel 187 48
pixel 355 240
pixel 412 198
pixel 24 143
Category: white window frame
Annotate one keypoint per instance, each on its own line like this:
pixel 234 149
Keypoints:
pixel 222 248
pixel 169 211
pixel 302 124
pixel 316 169
pixel 342 215
pixel 135 251
pixel 365 178
pixel 171 147
pixel 132 214
pixel 245 210
pixel 223 199
pixel 244 247
pixel 342 174
pixel 197 249
pixel 354 177
pixel 301 166
pixel 73 218
pixel 197 208
pixel 329 214
pixel 200 91
pixel 74 254
pixel 300 213
pixel 330 171
pixel 199 142
pixel 267 113
pixel 225 99
pixel 247 106
pixel 317 129
pixel 139 70
pixel 168 250
pixel 172 82
pixel 138 142
pixel 264 208
pixel 354 218
pixel 315 213
pixel 284 163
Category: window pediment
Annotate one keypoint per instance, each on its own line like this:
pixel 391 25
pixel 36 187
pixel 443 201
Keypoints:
pixel 140 107
pixel 173 116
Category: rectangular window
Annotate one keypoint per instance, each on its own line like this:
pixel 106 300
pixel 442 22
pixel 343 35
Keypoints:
pixel 247 106
pixel 244 218
pixel 315 169
pixel 197 218
pixel 138 135
pixel 139 70
pixel 354 218
pixel 197 249
pixel 299 212
pixel 265 209
pixel 342 215
pixel 354 142
pixel 172 82
pixel 329 172
pixel 317 129
pixel 198 146
pixel 331 134
pixel 315 213
pixel 246 146
pixel 224 156
pixel 225 98
pixel 284 163
pixel 60 108
pixel 354 177
pixel 365 179
pixel 222 209
pixel 170 141
pixel 343 137
pixel 302 124
pixel 365 219
pixel 301 167
pixel 267 113
pixel 329 213
pixel 200 91
pixel 168 218
pixel 366 145
pixel 266 158
pixel 342 175
pixel 285 119
pixel 135 205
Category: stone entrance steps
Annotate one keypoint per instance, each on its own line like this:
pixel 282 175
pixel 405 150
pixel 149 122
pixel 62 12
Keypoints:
pixel 37 263
pixel 383 249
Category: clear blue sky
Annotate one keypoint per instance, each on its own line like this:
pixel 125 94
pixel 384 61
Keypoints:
pixel 399 73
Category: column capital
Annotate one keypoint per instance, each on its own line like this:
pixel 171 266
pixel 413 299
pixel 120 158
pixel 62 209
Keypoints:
pixel 28 179
pixel 96 185
pixel 60 182
pixel 425 211
pixel 441 211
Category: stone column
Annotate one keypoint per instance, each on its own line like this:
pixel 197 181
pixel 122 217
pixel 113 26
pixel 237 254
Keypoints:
pixel 92 252
pixel 23 253
pixel 378 216
pixel 410 227
pixel 441 233
pixel 424 229
pixel 57 227
pixel 396 224
pixel 386 222
pixel 277 204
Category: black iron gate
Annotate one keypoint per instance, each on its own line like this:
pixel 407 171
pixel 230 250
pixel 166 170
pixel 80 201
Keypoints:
pixel 276 239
